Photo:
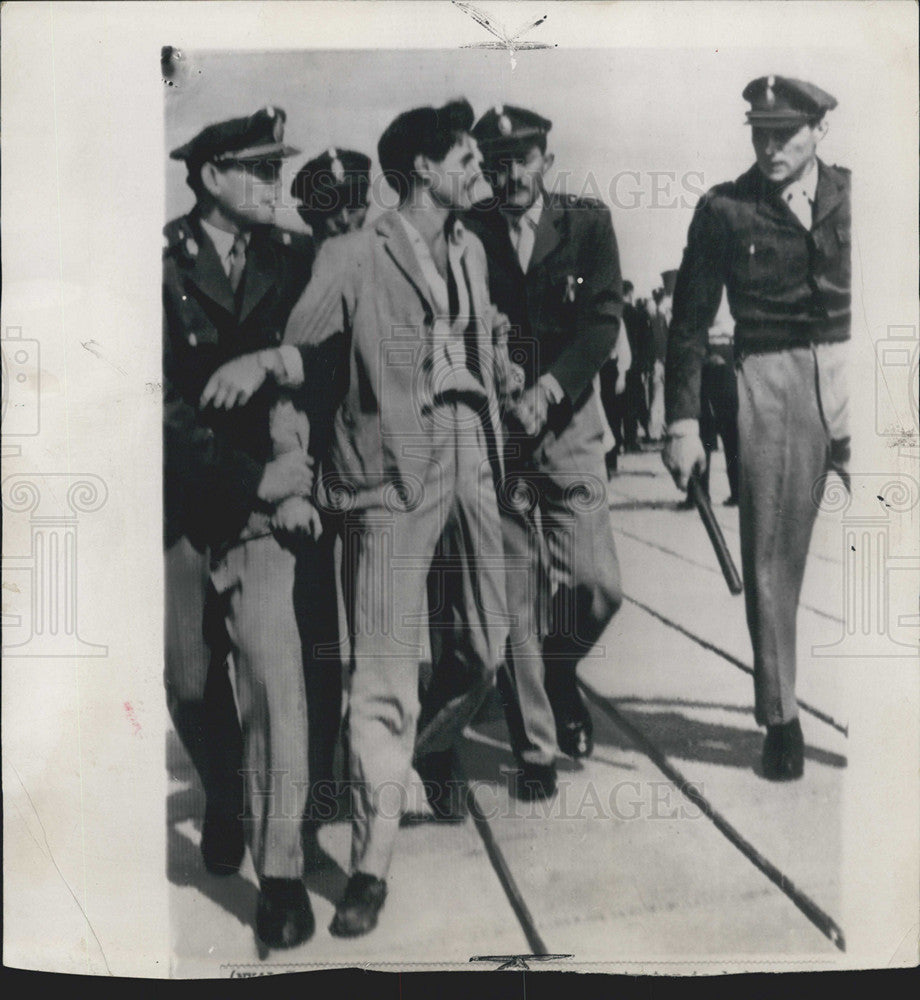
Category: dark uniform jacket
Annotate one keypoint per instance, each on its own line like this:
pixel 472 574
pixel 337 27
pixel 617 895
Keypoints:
pixel 787 286
pixel 214 459
pixel 565 311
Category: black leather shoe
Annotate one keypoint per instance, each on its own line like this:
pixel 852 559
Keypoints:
pixel 574 728
pixel 359 908
pixel 784 752
pixel 534 781
pixel 576 737
pixel 222 842
pixel 284 917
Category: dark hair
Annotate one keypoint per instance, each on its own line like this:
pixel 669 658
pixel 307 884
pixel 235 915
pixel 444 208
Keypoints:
pixel 430 132
pixel 627 287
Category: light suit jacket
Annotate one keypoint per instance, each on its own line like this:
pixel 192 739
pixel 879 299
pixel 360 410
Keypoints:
pixel 369 321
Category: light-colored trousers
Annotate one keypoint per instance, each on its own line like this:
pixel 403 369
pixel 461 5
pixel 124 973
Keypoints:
pixel 254 582
pixel 451 526
pixel 793 430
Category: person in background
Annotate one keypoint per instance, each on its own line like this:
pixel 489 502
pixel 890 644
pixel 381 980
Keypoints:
pixel 639 379
pixel 611 385
pixel 332 190
pixel 719 413
pixel 661 318
pixel 778 240
pixel 332 194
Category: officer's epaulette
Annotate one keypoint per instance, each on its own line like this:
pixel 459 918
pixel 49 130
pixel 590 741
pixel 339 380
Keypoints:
pixel 178 238
pixel 581 202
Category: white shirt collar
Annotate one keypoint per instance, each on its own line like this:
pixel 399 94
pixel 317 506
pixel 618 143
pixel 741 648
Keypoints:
pixel 456 246
pixel 810 183
pixel 223 241
pixel 806 185
pixel 532 215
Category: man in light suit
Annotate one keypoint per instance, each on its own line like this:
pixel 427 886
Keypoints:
pixel 554 271
pixel 400 310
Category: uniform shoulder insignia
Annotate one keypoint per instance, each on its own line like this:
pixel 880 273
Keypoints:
pixel 727 189
pixel 177 237
pixel 298 242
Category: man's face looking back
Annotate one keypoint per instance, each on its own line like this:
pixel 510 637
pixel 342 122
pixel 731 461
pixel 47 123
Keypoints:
pixel 518 176
pixel 457 181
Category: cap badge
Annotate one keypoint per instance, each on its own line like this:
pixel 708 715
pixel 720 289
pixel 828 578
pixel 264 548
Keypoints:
pixel 192 247
pixel 278 130
pixel 270 111
pixel 338 171
pixel 504 125
pixel 769 96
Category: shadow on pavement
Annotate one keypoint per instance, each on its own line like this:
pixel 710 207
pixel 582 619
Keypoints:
pixel 679 735
pixel 184 866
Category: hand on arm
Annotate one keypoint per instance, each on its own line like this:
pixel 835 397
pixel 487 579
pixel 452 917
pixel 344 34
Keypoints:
pixel 531 411
pixel 238 380
pixel 297 515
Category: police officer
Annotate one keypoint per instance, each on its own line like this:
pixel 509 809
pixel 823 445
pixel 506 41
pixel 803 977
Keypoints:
pixel 778 239
pixel 554 271
pixel 332 194
pixel 229 281
pixel 332 189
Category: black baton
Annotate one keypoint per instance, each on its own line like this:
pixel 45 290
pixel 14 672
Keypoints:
pixel 701 498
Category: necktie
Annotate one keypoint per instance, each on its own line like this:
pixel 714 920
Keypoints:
pixel 237 262
pixel 522 236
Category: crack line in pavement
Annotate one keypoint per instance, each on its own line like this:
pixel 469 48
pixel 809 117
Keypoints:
pixel 503 873
pixel 733 660
pixel 711 569
pixel 808 907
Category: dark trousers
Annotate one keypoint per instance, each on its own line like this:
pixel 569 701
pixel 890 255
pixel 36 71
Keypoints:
pixel 719 419
pixel 562 572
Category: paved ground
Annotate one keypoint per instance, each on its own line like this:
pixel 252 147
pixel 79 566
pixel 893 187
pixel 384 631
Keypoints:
pixel 668 846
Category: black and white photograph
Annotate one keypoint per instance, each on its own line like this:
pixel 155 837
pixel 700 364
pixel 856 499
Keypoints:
pixel 492 436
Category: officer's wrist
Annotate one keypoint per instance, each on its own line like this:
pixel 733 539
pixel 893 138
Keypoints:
pixel 686 427
pixel 271 361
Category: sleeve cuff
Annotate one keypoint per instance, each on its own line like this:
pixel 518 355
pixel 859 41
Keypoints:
pixel 293 366
pixel 684 428
pixel 552 386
